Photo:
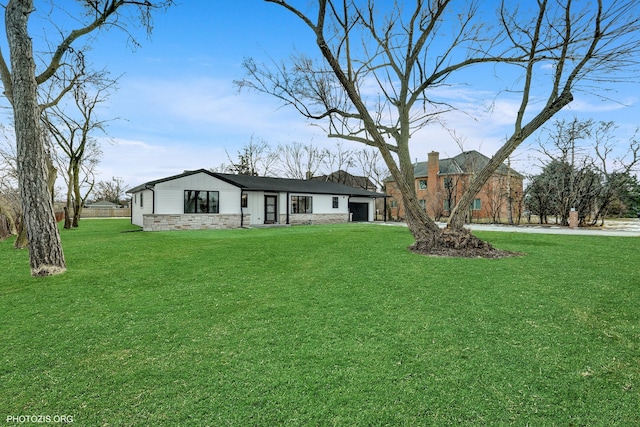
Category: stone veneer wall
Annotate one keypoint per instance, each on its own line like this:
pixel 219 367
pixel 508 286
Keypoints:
pixel 296 219
pixel 192 222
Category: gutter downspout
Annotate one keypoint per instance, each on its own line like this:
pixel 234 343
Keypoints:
pixel 384 218
pixel 288 207
pixel 153 198
pixel 241 210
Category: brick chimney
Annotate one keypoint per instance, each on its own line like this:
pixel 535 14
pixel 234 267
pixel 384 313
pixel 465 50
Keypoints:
pixel 433 168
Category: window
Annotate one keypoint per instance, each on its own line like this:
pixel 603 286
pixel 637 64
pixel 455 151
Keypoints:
pixel 200 201
pixel 394 204
pixel 301 204
pixel 335 202
pixel 447 205
pixel 141 200
pixel 476 205
pixel 423 203
pixel 244 201
pixel 422 184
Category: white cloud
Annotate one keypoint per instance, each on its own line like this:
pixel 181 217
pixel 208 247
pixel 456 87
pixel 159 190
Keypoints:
pixel 175 125
pixel 138 162
pixel 584 105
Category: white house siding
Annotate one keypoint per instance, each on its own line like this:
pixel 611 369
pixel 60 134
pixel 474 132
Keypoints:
pixel 170 194
pixel 322 208
pixel 169 205
pixel 137 211
pixel 282 208
pixel 255 206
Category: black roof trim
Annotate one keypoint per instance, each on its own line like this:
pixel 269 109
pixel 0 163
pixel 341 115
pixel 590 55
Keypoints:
pixel 262 183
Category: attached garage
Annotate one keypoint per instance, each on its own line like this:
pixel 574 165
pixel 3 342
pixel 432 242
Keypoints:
pixel 359 211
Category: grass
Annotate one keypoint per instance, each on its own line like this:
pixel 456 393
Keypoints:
pixel 321 325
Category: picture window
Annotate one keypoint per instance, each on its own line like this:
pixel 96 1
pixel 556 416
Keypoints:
pixel 200 202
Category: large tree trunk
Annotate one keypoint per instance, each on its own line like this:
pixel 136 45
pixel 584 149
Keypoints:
pixel 77 205
pixel 45 248
pixel 429 238
pixel 67 216
pixel 68 205
pixel 77 208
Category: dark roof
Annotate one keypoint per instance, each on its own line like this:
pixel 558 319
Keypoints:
pixel 344 177
pixel 101 203
pixel 261 183
pixel 466 162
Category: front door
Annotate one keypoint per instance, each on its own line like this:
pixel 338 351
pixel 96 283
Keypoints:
pixel 270 209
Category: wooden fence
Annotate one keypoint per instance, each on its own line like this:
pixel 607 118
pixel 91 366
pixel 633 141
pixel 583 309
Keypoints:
pixel 106 212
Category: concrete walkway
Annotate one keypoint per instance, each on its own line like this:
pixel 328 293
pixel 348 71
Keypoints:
pixel 625 228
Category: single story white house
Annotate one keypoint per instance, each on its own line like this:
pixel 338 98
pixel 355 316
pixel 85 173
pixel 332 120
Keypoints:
pixel 200 199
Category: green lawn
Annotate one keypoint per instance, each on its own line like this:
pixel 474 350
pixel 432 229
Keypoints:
pixel 321 325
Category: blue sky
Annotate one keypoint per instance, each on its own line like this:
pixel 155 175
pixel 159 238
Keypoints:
pixel 178 108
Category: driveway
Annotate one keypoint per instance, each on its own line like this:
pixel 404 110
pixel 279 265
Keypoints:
pixel 629 227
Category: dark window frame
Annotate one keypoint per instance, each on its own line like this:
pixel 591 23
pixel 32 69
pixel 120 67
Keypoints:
pixel 201 208
pixel 336 202
pixel 301 204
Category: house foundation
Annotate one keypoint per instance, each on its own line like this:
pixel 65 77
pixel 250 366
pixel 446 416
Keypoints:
pixel 157 222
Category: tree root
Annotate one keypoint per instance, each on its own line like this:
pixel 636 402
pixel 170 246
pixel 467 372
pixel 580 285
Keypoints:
pixel 47 270
pixel 459 243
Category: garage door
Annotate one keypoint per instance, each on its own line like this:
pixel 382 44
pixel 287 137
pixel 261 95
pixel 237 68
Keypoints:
pixel 359 211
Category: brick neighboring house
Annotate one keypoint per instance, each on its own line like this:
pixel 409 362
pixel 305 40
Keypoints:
pixel 440 183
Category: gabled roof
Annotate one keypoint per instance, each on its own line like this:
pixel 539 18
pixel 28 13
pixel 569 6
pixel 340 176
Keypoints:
pixel 447 166
pixel 261 183
pixel 151 184
pixel 464 163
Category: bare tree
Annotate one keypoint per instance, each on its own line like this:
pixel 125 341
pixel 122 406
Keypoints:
pixel 10 214
pixel 21 81
pixel 616 171
pixel 371 166
pixel 112 191
pixel 580 170
pixel 72 129
pixel 339 161
pixel 301 161
pixel 406 53
pixel 256 158
pixel 10 206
